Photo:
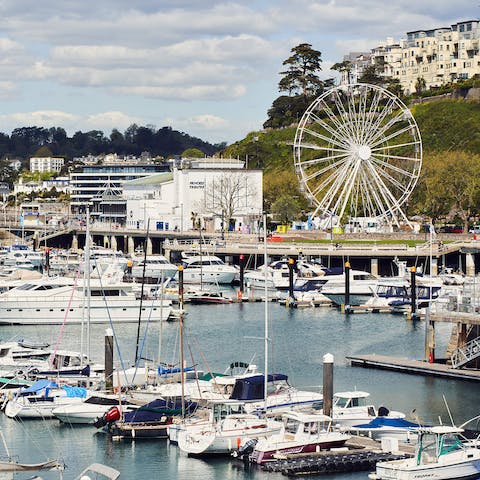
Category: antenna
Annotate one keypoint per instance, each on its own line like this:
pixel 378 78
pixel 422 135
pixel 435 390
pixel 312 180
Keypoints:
pixel 448 410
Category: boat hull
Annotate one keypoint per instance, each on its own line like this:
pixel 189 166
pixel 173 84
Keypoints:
pixel 44 312
pixel 263 455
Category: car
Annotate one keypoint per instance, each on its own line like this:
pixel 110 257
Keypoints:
pixel 475 230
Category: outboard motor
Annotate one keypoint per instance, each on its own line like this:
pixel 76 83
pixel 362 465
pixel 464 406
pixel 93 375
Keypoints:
pixel 383 411
pixel 246 449
pixel 111 416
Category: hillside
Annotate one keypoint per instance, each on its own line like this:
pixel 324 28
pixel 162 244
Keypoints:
pixel 444 126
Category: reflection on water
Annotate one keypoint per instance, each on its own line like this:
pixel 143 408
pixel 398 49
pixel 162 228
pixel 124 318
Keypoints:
pixel 220 334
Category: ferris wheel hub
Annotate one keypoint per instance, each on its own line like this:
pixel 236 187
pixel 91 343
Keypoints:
pixel 364 152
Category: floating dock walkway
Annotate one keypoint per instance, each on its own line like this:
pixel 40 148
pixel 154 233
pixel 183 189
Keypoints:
pixel 410 366
pixel 362 455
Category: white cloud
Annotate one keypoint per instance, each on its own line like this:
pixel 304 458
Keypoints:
pixel 107 121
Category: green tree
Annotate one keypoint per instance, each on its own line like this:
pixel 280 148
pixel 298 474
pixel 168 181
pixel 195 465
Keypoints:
pixel 192 153
pixel 370 75
pixel 286 208
pixel 302 71
pixel 344 67
pixel 420 86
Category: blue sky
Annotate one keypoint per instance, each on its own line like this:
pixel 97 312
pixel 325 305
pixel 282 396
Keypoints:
pixel 208 68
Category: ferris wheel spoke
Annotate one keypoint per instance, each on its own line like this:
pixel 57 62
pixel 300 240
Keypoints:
pixel 349 115
pixel 328 159
pixel 347 125
pixel 391 180
pixel 392 135
pixel 336 134
pixel 387 196
pixel 399 145
pixel 393 167
pixel 331 116
pixel 376 119
pixel 330 167
pixel 341 126
pixel 313 146
pixel 379 134
pixel 326 139
pixel 343 198
pixel 330 180
pixel 367 203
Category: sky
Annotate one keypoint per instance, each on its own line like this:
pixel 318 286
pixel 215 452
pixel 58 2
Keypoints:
pixel 206 68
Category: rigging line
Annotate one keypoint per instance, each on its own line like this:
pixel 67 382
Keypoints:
pixel 60 333
pixel 210 371
pixel 115 339
pixel 145 242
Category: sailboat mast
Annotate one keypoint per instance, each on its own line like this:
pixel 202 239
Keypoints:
pixel 265 260
pixel 87 270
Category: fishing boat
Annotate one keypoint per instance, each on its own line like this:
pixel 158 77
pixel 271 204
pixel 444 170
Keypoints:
pixel 300 433
pixel 441 454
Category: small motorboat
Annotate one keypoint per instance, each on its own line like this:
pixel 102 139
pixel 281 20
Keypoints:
pixel 206 298
pixel 381 427
pixel 441 454
pixel 300 433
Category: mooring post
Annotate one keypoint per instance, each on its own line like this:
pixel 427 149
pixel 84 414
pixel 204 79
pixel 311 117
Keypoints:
pixel 291 299
pixel 327 384
pixel 346 305
pixel 413 293
pixel 242 270
pixel 180 288
pixel 108 359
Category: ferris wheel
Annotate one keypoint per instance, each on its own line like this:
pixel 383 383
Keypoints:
pixel 358 153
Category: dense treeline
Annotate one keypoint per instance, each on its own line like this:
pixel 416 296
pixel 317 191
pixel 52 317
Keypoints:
pixel 25 142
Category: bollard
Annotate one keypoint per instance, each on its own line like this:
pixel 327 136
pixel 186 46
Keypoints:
pixel 291 297
pixel 328 384
pixel 108 359
pixel 242 269
pixel 413 293
pixel 347 287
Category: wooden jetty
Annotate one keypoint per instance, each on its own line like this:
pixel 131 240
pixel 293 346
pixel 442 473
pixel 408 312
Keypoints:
pixel 406 365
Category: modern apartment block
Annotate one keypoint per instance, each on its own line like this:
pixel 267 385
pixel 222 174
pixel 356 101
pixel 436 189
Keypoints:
pixel 438 56
pixel 94 180
pixel 46 164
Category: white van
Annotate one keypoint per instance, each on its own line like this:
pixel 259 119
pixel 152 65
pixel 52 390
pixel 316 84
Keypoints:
pixel 475 230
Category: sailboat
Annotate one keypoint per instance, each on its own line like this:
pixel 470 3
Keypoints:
pixel 228 425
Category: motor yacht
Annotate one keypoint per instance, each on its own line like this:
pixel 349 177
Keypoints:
pixel 207 269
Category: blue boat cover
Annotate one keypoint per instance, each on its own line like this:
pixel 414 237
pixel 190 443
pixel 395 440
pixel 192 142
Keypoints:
pixel 75 392
pixel 378 422
pixel 252 388
pixel 164 371
pixel 155 410
pixel 38 386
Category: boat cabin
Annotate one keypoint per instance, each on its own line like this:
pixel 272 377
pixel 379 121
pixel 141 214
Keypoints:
pixel 437 441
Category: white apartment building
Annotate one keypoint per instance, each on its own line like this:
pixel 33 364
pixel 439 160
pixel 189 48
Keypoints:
pixel 46 164
pixel 438 56
pixel 197 193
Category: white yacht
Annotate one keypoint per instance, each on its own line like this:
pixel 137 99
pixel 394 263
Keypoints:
pixel 57 300
pixel 207 269
pixel 362 286
pixel 153 266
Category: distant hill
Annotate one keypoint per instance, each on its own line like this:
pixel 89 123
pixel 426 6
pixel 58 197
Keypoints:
pixel 24 142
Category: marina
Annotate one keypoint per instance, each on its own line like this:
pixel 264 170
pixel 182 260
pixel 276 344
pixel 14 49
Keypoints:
pixel 231 327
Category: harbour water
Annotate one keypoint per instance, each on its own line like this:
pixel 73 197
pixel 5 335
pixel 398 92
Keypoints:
pixel 217 335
